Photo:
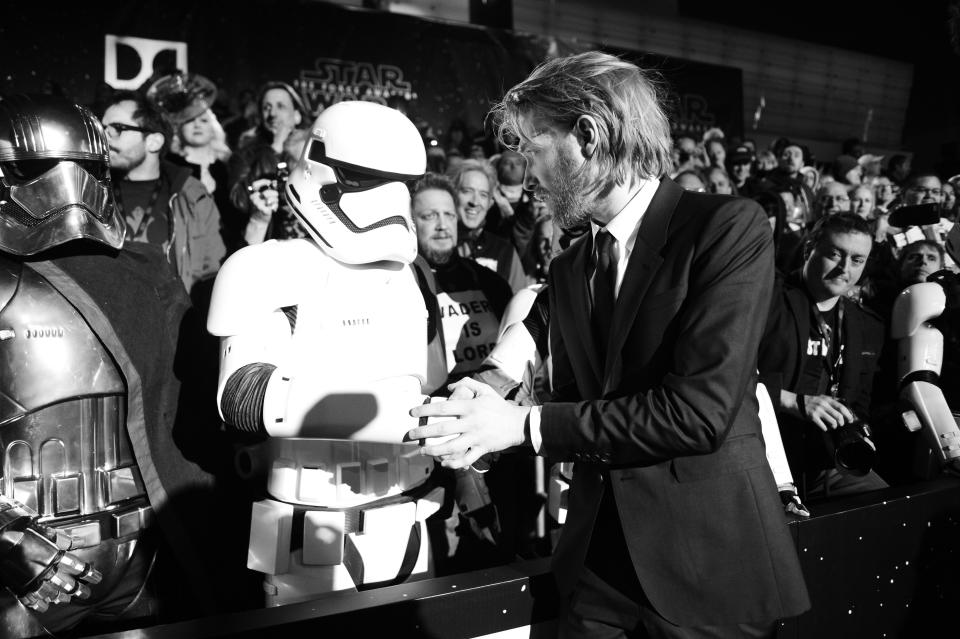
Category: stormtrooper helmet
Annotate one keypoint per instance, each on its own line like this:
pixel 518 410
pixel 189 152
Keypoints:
pixel 54 176
pixel 348 186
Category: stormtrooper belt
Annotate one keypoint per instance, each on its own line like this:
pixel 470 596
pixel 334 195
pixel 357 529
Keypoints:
pixel 353 516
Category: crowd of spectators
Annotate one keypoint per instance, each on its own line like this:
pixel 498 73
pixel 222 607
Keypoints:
pixel 203 190
pixel 828 359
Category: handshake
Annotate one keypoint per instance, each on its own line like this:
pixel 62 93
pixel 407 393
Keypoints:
pixel 481 422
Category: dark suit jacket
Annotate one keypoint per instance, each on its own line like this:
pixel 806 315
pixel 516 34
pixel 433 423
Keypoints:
pixel 673 417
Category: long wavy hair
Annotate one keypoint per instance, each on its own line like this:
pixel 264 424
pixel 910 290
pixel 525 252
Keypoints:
pixel 634 131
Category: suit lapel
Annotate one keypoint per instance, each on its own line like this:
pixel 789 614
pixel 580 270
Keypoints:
pixel 642 266
pixel 573 294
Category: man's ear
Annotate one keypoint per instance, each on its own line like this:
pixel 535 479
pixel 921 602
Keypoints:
pixel 297 117
pixel 587 130
pixel 154 142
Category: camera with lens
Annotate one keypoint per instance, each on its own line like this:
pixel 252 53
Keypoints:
pixel 278 179
pixel 853 451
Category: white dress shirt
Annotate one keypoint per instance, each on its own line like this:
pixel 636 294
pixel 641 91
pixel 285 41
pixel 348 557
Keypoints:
pixel 624 228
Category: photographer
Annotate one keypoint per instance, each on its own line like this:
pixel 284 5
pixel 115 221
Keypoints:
pixel 254 167
pixel 271 217
pixel 818 358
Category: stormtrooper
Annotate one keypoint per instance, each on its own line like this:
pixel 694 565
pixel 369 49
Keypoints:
pixel 926 317
pixel 324 347
pixel 80 396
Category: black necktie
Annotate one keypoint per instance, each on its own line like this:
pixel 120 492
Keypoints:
pixel 604 283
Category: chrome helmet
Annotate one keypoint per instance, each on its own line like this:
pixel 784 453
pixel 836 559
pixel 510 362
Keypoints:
pixel 348 187
pixel 54 176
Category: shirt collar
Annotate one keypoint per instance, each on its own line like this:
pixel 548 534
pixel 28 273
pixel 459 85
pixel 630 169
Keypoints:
pixel 625 224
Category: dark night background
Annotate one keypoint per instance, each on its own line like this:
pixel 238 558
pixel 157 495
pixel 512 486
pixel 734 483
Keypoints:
pixel 918 32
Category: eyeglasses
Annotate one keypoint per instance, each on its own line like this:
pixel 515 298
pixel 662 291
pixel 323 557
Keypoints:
pixel 116 129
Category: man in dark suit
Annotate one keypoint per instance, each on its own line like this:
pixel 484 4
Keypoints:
pixel 674 528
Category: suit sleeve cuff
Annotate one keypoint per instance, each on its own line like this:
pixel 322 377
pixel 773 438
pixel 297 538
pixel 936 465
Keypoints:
pixel 533 419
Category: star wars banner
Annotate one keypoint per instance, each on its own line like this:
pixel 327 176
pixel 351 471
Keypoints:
pixel 439 72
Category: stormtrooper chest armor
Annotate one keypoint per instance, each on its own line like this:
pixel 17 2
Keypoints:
pixel 356 327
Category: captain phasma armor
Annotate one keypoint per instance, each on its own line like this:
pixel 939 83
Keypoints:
pixel 922 315
pixel 324 350
pixel 71 494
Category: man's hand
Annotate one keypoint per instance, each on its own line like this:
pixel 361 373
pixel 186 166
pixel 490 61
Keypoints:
pixel 486 423
pixel 280 135
pixel 826 412
pixel 506 209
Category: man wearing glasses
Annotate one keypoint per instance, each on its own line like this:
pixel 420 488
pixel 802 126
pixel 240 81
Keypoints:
pixel 162 203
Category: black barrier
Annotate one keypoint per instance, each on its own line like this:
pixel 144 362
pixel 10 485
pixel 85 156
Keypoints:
pixel 882 564
pixel 457 607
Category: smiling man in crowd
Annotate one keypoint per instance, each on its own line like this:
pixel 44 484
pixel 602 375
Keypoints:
pixel 819 356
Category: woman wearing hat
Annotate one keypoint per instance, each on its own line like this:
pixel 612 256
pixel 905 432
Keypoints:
pixel 199 142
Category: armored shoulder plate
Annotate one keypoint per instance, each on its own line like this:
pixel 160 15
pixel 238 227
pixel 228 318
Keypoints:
pixel 47 351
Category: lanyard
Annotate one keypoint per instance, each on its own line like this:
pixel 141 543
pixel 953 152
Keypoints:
pixel 831 337
pixel 148 212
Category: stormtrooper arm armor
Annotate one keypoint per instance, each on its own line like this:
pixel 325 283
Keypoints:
pixel 521 344
pixel 919 362
pixel 777 455
pixel 513 358
pixel 265 386
pixel 34 562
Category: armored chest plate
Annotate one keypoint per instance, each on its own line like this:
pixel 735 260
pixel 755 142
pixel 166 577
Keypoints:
pixel 66 452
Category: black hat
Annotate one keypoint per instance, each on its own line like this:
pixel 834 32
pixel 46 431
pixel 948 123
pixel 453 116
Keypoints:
pixel 182 96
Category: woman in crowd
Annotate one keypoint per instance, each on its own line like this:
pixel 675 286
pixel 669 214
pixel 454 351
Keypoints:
pixel 202 145
pixel 199 142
